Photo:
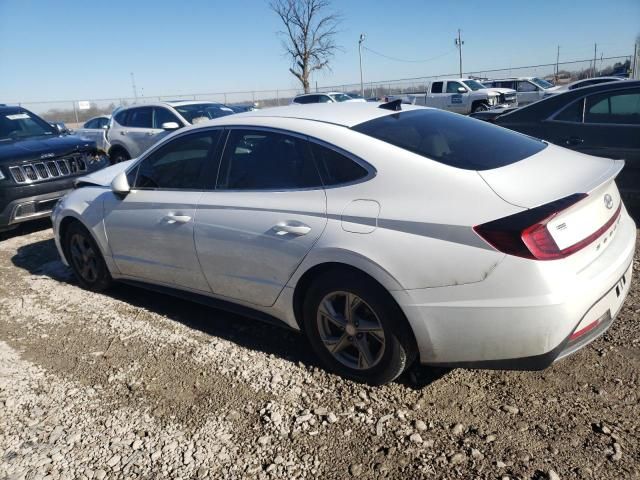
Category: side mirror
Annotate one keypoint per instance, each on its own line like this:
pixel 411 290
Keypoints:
pixel 120 184
pixel 105 127
pixel 462 90
pixel 170 126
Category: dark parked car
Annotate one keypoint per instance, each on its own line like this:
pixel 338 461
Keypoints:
pixel 602 120
pixel 38 165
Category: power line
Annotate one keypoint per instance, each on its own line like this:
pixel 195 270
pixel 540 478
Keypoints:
pixel 388 57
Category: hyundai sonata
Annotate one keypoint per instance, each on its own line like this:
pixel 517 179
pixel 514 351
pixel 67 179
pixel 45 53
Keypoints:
pixel 386 233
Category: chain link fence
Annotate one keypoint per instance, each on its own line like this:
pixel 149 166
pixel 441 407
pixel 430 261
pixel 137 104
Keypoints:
pixel 76 112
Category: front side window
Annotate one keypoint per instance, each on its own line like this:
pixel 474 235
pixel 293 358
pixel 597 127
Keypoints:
pixel 121 117
pixel 452 87
pixel 621 107
pixel 101 122
pixel 91 124
pixel 452 139
pixel 335 168
pixel 436 87
pixel 525 86
pixel 264 160
pixel 162 115
pixel 304 99
pixel 179 164
pixel 18 123
pixel 140 118
pixel 507 84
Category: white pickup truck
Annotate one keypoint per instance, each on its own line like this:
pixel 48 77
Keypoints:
pixel 461 95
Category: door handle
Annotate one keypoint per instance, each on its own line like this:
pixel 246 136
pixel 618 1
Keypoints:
pixel 574 141
pixel 171 219
pixel 151 134
pixel 123 132
pixel 293 228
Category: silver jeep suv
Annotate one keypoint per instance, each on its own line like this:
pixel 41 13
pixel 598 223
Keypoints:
pixel 134 129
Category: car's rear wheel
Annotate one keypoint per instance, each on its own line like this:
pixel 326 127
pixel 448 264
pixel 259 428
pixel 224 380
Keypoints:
pixel 119 155
pixel 85 258
pixel 356 328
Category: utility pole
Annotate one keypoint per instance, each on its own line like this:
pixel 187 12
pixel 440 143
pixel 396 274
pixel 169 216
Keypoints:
pixel 595 54
pixel 133 85
pixel 458 41
pixel 557 63
pixel 362 37
pixel 634 65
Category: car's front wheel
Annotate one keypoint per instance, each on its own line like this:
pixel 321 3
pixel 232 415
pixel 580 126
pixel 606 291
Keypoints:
pixel 356 328
pixel 85 258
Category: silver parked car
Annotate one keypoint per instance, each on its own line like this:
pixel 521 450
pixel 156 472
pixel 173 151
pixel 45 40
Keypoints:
pixel 385 233
pixel 326 97
pixel 96 129
pixel 134 129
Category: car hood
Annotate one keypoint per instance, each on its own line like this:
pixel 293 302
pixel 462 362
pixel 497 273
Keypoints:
pixel 502 90
pixel 40 148
pixel 104 177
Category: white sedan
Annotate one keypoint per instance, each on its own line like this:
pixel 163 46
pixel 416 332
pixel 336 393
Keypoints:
pixel 386 233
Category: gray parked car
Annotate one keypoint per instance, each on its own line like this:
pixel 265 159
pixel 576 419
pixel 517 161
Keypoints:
pixel 134 129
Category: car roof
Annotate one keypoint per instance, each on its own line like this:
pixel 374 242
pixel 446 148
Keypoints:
pixel 346 114
pixel 171 103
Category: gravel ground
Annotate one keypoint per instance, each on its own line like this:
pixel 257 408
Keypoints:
pixel 138 385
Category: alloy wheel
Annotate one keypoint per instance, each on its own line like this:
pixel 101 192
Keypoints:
pixel 84 258
pixel 350 330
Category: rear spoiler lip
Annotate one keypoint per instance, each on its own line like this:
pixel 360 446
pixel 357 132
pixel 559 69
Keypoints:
pixel 611 174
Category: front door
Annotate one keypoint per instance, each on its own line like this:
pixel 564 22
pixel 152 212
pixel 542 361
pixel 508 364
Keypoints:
pixel 266 214
pixel 151 230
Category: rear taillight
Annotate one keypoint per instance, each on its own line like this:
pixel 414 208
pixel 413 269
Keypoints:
pixel 526 235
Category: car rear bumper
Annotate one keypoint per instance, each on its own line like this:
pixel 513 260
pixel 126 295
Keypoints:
pixel 516 319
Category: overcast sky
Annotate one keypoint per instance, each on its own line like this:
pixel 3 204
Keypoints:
pixel 63 49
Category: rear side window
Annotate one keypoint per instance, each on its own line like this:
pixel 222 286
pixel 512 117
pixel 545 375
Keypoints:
pixel 305 99
pixel 261 160
pixel 572 113
pixel 452 139
pixel 335 168
pixel 436 87
pixel 622 107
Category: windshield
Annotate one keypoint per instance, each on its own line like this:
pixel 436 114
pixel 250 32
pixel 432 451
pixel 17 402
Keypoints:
pixel 199 112
pixel 18 123
pixel 340 97
pixel 452 139
pixel 542 83
pixel 473 85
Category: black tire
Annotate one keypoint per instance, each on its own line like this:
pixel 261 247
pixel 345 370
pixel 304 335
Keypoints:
pixel 387 358
pixel 480 107
pixel 118 155
pixel 86 260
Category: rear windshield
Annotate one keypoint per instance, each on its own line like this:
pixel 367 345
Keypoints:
pixel 452 139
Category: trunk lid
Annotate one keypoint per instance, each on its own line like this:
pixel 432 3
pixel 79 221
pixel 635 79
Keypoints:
pixel 583 230
pixel 549 175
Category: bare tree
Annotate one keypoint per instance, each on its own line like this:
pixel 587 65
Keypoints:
pixel 308 36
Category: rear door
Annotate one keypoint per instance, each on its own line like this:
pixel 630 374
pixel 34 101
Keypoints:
pixel 436 95
pixel 267 212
